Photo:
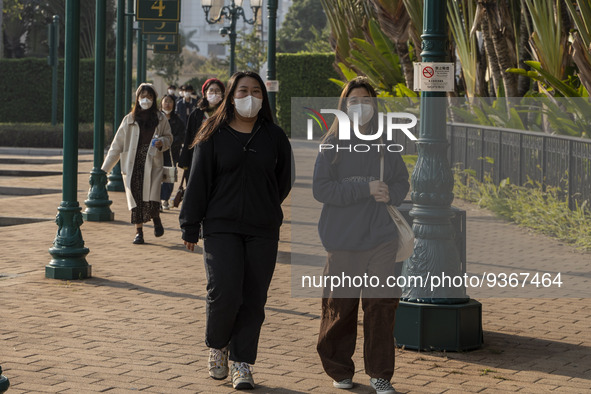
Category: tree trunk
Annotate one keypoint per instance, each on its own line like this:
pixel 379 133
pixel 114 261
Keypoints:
pixel 503 53
pixel 407 66
pixel 480 85
pixel 523 82
pixel 491 57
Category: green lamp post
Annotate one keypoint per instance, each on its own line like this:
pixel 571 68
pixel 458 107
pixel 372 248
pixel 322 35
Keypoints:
pixel 232 13
pixel 271 63
pixel 139 58
pixel 144 53
pixel 68 249
pixel 441 317
pixel 97 204
pixel 53 60
pixel 115 179
pixel 128 55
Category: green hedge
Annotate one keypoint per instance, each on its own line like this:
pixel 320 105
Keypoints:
pixel 26 90
pixel 303 75
pixel 43 135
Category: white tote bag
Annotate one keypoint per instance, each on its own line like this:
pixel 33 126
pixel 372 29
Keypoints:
pixel 406 237
pixel 170 173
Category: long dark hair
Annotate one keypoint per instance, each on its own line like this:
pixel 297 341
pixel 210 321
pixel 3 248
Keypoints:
pixel 203 103
pixel 358 82
pixel 225 113
pixel 149 117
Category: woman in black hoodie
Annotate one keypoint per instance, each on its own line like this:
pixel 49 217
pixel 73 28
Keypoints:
pixel 361 240
pixel 241 173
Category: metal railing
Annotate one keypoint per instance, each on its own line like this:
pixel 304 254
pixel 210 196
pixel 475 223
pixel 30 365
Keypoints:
pixel 521 156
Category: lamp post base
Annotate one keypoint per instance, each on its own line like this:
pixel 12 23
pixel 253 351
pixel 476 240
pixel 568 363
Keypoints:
pixel 449 327
pixel 116 179
pixel 70 265
pixel 4 382
pixel 115 184
pixel 97 204
pixel 98 213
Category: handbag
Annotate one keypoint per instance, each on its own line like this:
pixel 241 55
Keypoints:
pixel 169 173
pixel 406 237
pixel 179 194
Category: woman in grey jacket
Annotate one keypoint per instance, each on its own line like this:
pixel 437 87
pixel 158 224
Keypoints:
pixel 140 140
pixel 361 240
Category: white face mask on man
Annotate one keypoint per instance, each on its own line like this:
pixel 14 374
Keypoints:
pixel 248 106
pixel 364 111
pixel 171 92
pixel 145 103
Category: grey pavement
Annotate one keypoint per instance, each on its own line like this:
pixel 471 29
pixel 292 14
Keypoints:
pixel 138 323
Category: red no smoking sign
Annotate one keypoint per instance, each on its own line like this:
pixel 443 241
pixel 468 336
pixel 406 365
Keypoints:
pixel 428 72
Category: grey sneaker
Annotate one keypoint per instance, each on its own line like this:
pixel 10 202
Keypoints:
pixel 382 386
pixel 242 376
pixel 218 363
pixel 343 384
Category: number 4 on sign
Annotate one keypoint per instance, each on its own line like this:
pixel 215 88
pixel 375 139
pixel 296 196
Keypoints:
pixel 158 6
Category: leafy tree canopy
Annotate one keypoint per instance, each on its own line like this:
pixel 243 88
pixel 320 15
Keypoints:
pixel 303 20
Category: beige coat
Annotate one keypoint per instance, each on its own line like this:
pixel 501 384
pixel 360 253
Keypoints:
pixel 124 147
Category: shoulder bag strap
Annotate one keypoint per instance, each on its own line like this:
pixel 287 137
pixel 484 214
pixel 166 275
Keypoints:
pixel 382 167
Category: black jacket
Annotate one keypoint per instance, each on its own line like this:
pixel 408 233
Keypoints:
pixel 177 127
pixel 351 219
pixel 238 188
pixel 195 120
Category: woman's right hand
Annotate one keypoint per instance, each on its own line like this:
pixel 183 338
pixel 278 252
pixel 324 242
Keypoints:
pixel 190 245
pixel 379 191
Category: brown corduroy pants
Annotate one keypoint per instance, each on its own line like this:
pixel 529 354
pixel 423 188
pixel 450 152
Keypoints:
pixel 338 325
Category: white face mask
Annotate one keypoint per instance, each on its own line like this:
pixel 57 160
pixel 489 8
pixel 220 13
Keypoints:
pixel 248 106
pixel 364 111
pixel 145 103
pixel 167 111
pixel 171 92
pixel 188 95
pixel 213 99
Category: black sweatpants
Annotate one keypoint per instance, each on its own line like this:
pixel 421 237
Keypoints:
pixel 239 269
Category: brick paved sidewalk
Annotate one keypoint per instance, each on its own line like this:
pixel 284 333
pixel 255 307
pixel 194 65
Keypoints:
pixel 137 324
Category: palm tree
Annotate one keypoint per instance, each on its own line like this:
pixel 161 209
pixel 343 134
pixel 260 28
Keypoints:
pixel 395 22
pixel 347 20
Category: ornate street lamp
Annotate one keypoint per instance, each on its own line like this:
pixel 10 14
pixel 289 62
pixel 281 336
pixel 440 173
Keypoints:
pixel 232 13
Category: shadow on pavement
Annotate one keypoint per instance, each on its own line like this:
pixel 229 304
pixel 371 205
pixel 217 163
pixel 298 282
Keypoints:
pixel 523 353
pixel 97 281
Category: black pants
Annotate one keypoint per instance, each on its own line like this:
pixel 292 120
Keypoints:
pixel 239 269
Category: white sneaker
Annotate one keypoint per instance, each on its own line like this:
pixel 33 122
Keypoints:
pixel 218 363
pixel 165 204
pixel 242 376
pixel 343 384
pixel 382 386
